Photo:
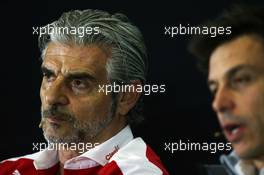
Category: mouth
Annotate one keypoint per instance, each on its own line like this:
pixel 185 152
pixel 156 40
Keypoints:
pixel 233 131
pixel 55 120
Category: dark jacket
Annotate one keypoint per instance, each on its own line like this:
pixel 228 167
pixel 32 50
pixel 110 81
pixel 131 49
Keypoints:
pixel 225 168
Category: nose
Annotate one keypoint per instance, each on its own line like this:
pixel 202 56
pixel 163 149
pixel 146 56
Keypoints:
pixel 54 94
pixel 223 101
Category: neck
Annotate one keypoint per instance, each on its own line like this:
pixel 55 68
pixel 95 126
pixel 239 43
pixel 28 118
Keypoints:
pixel 65 155
pixel 259 163
pixel 112 129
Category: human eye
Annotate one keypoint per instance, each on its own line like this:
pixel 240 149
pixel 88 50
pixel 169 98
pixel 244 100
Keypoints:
pixel 241 80
pixel 213 90
pixel 79 84
pixel 212 87
pixel 48 75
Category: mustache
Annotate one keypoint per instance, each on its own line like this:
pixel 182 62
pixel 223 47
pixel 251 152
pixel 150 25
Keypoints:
pixel 54 112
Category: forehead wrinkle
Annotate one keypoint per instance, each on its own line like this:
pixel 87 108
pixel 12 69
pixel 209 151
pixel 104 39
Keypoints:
pixel 77 51
pixel 67 59
pixel 66 70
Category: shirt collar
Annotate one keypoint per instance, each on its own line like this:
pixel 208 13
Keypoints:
pixel 243 167
pixel 103 152
pixel 100 154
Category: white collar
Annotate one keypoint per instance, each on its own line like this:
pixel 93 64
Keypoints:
pixel 243 168
pixel 100 154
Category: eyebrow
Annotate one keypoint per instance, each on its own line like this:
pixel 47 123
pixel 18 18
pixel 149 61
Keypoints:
pixel 80 75
pixel 44 69
pixel 230 73
pixel 71 75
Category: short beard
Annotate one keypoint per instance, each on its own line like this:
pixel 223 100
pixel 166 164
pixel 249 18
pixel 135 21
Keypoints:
pixel 82 131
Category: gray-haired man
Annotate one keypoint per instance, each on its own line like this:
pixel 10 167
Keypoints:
pixel 82 51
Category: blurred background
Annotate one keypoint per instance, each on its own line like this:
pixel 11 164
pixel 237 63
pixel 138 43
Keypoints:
pixel 183 112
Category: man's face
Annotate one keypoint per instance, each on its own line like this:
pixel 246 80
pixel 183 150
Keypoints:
pixel 72 108
pixel 236 78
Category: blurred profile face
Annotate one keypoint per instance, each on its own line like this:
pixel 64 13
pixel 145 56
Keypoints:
pixel 73 110
pixel 236 79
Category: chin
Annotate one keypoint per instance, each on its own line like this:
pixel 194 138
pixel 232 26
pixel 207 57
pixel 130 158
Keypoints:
pixel 52 136
pixel 68 138
pixel 246 151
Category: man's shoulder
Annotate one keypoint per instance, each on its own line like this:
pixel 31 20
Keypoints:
pixel 11 166
pixel 226 166
pixel 138 149
pixel 137 154
pixel 214 169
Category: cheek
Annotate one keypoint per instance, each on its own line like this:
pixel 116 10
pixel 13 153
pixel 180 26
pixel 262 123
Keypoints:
pixel 41 94
pixel 258 116
pixel 91 107
pixel 253 105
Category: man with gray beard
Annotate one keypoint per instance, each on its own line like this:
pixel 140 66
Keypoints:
pixel 74 110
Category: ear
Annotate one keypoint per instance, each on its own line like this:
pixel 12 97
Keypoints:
pixel 128 99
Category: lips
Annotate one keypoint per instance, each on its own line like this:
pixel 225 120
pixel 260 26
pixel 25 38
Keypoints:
pixel 55 119
pixel 233 131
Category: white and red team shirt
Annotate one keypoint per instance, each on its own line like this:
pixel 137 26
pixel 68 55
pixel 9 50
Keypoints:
pixel 120 155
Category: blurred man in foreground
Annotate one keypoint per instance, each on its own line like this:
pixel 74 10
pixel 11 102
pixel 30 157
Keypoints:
pixel 235 67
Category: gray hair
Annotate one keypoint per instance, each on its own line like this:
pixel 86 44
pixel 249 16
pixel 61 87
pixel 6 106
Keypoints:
pixel 128 52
